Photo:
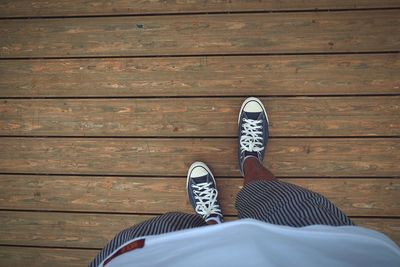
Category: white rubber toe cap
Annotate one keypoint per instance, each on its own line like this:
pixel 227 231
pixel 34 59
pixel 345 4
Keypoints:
pixel 252 106
pixel 198 172
pixel 198 169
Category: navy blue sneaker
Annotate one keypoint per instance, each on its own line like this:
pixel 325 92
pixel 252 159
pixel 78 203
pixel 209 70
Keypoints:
pixel 253 131
pixel 202 192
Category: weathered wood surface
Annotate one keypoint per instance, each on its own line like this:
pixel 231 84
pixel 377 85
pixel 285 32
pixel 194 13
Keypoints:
pixel 77 230
pixel 356 197
pixel 202 76
pixel 28 8
pixel 306 116
pixel 40 257
pixel 316 157
pixel 202 34
pixel 62 229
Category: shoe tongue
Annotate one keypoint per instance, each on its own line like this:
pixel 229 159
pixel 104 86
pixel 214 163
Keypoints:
pixel 201 179
pixel 253 115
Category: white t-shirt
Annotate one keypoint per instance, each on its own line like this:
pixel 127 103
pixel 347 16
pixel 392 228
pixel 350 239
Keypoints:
pixel 253 243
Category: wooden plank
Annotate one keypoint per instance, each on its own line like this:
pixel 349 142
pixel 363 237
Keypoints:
pixel 77 230
pixel 320 116
pixel 40 8
pixel 39 257
pixel 202 34
pixel 356 197
pixel 316 157
pixel 202 76
pixel 63 229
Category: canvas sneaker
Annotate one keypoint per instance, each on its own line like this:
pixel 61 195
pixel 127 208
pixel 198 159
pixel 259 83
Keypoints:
pixel 253 131
pixel 203 193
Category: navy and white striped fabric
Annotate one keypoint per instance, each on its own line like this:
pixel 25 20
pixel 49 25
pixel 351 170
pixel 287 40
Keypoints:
pixel 273 202
pixel 282 203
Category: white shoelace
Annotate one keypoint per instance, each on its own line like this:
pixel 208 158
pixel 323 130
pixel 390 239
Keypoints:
pixel 206 198
pixel 251 139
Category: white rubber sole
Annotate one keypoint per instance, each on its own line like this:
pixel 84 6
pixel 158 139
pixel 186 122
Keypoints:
pixel 198 164
pixel 258 101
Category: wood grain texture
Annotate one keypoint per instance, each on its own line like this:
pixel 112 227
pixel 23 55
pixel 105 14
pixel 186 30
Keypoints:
pixel 320 116
pixel 66 229
pixel 356 197
pixel 203 76
pixel 63 229
pixel 39 257
pixel 39 8
pixel 310 157
pixel 202 34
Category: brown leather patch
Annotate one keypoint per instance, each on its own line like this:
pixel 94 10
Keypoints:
pixel 129 247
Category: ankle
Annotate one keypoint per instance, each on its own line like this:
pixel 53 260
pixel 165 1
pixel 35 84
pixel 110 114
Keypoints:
pixel 255 171
pixel 250 164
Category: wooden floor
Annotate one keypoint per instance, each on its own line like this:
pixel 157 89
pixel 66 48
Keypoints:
pixel 104 105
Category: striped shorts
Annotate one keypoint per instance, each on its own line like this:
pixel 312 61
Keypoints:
pixel 273 202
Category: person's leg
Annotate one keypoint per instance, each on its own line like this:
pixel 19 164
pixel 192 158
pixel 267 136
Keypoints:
pixel 165 223
pixel 265 198
pixel 255 171
pixel 278 202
